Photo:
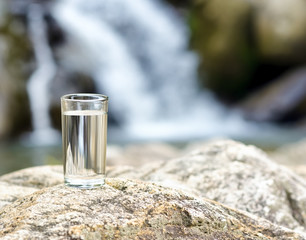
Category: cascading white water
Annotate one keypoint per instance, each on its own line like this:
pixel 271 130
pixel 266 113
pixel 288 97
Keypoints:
pixel 98 50
pixel 135 48
pixel 38 84
pixel 136 51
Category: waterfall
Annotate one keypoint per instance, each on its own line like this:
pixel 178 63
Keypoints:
pixel 38 84
pixel 100 52
pixel 136 51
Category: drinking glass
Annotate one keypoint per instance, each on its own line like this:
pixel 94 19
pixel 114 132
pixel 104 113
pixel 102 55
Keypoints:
pixel 84 136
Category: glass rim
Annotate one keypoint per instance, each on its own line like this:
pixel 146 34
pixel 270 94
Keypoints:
pixel 77 97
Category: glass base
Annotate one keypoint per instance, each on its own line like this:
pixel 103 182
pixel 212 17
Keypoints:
pixel 84 183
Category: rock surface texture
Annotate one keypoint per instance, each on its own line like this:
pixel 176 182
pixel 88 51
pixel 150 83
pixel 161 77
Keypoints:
pixel 231 173
pixel 292 155
pixel 21 183
pixel 129 209
pixel 176 206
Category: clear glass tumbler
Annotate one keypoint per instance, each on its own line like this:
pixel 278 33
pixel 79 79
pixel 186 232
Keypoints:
pixel 84 134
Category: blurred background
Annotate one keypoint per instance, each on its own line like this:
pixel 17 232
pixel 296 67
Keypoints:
pixel 175 71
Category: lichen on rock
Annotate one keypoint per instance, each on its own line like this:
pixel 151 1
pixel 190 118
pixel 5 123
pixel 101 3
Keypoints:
pixel 237 175
pixel 176 206
pixel 129 209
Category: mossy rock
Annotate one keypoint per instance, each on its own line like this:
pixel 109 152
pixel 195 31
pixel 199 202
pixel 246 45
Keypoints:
pixel 16 65
pixel 221 35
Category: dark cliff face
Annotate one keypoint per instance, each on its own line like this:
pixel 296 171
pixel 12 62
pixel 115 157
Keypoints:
pixel 247 46
pixel 16 66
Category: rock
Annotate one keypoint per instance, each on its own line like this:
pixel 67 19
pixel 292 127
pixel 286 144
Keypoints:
pixel 246 44
pixel 35 177
pixel 4 121
pixel 293 156
pixel 10 193
pixel 16 59
pixel 126 209
pixel 139 154
pixel 282 100
pixel 31 179
pixel 222 40
pixel 279 29
pixel 299 169
pixel 228 172
pixel 240 176
pixel 24 182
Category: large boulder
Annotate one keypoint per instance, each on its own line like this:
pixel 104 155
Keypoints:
pixel 10 193
pixel 24 182
pixel 240 176
pixel 126 209
pixel 293 155
pixel 140 153
pixel 231 173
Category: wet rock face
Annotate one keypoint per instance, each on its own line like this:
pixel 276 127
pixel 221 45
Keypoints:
pixel 127 209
